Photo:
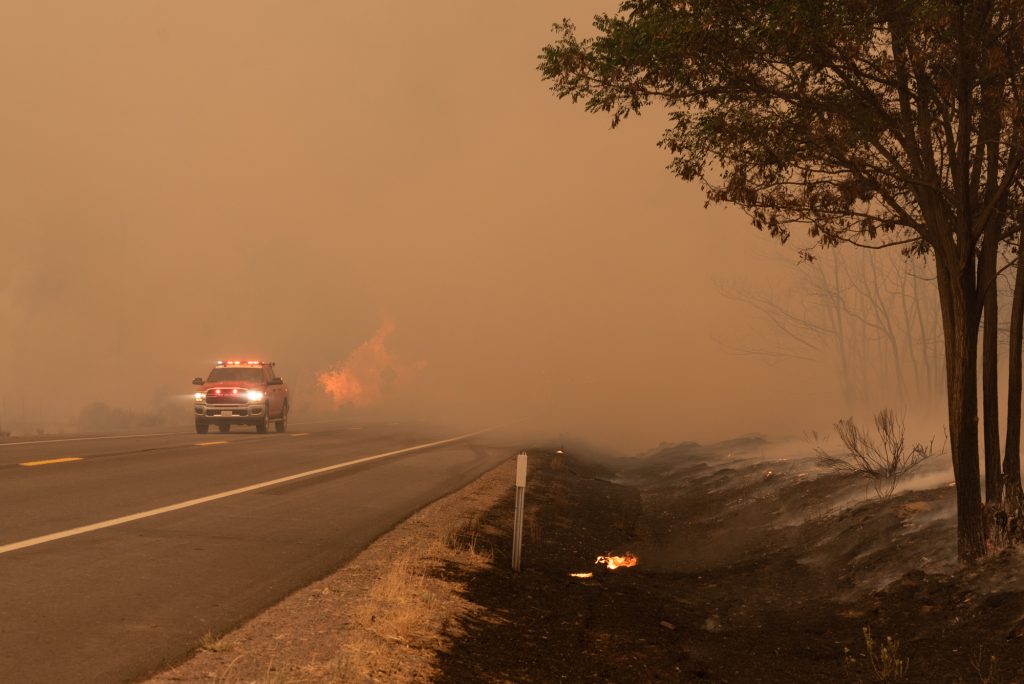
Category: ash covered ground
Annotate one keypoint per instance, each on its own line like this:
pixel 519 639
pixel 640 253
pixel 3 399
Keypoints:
pixel 754 566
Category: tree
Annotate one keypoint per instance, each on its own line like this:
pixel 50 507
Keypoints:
pixel 870 318
pixel 876 123
pixel 1011 455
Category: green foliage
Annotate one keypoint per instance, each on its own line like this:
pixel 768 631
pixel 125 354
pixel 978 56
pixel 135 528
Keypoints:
pixel 826 115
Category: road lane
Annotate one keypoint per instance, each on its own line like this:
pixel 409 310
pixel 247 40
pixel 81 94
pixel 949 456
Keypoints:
pixel 109 484
pixel 180 505
pixel 94 445
pixel 118 603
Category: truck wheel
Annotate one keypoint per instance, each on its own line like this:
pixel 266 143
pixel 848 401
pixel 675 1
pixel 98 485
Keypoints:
pixel 224 428
pixel 261 427
pixel 202 428
pixel 281 424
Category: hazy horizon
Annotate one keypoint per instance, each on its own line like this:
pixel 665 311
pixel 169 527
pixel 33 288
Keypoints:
pixel 185 182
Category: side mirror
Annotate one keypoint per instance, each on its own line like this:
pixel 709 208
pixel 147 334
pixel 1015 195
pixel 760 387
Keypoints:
pixel 275 381
pixel 197 381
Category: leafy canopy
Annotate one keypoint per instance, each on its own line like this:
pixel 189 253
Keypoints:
pixel 877 122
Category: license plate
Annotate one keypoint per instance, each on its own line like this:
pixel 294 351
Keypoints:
pixel 226 413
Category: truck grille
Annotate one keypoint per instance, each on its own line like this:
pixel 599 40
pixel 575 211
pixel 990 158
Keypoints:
pixel 227 396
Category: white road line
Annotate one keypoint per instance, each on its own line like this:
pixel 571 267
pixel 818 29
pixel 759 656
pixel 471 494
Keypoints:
pixel 7 548
pixel 90 439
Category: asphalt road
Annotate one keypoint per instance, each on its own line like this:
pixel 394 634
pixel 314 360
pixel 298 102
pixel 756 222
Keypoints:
pixel 118 553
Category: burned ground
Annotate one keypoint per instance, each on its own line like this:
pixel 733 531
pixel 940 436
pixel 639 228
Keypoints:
pixel 751 569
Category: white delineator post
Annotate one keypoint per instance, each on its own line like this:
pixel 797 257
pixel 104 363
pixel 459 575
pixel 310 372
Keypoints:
pixel 517 532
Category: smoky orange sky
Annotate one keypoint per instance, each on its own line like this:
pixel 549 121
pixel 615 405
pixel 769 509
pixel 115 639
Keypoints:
pixel 191 180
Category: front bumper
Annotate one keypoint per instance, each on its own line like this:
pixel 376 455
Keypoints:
pixel 230 413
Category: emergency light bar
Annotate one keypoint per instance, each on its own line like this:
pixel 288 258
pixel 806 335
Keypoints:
pixel 223 364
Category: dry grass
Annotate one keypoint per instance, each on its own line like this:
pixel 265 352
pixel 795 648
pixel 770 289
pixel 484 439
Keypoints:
pixel 414 608
pixel 408 613
pixel 212 643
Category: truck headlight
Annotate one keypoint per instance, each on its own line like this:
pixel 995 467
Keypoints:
pixel 255 395
pixel 199 396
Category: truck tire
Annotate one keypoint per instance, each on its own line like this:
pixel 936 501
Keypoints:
pixel 224 428
pixel 261 427
pixel 281 424
pixel 202 428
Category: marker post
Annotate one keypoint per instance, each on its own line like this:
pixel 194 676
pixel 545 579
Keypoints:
pixel 517 531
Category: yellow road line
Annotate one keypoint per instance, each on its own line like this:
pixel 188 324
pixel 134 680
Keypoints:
pixel 49 461
pixel 299 434
pixel 209 443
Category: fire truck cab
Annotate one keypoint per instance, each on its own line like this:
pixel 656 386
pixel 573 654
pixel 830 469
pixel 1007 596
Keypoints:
pixel 241 393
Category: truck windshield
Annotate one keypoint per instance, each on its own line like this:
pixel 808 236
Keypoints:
pixel 236 375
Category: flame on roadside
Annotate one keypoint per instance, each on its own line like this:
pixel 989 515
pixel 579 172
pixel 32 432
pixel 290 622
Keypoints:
pixel 581 575
pixel 613 562
pixel 368 372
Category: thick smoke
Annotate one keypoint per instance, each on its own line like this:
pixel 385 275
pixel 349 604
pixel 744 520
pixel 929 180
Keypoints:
pixel 190 181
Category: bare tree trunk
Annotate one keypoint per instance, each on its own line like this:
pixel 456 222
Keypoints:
pixel 883 320
pixel 989 132
pixel 990 397
pixel 1011 457
pixel 927 344
pixel 906 306
pixel 836 313
pixel 960 321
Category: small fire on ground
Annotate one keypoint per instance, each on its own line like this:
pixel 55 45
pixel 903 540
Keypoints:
pixel 611 562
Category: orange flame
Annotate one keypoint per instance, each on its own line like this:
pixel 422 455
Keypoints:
pixel 581 575
pixel 368 372
pixel 612 562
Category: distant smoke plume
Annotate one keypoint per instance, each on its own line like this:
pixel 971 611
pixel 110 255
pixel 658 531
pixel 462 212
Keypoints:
pixel 369 372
